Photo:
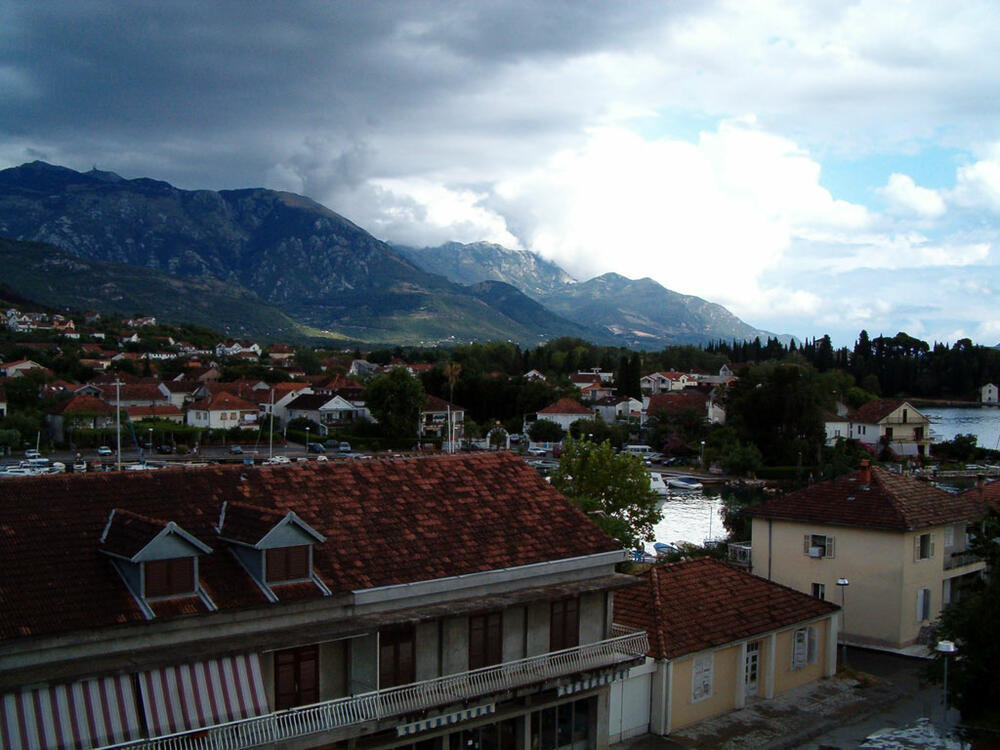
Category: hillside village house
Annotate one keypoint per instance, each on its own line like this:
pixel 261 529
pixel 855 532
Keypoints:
pixel 323 409
pixel 900 543
pixel 663 382
pixel 448 602
pixel 18 368
pixel 989 394
pixel 565 412
pixel 611 408
pixel 434 419
pixel 80 412
pixel 718 639
pixel 703 405
pixel 221 410
pixel 893 423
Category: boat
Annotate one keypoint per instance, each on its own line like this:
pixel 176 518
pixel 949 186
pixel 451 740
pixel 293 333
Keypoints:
pixel 657 485
pixel 662 549
pixel 684 483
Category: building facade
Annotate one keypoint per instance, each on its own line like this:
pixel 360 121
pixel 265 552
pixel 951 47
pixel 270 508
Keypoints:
pixel 447 602
pixel 900 543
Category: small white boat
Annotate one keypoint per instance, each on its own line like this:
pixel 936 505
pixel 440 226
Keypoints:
pixel 657 485
pixel 684 483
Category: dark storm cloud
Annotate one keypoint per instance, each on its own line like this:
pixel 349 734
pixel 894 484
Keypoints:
pixel 213 93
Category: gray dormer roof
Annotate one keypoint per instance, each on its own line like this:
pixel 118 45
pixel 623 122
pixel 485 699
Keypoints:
pixel 262 528
pixel 138 538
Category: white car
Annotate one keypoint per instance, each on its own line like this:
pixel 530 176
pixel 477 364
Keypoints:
pixel 278 460
pixel 105 451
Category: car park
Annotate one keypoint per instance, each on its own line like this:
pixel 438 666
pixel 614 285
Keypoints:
pixel 104 450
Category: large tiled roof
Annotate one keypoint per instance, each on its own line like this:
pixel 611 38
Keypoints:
pixel 310 401
pixel 433 404
pixel 875 411
pixel 675 402
pixel 385 521
pixel 694 605
pixel 988 493
pixel 566 406
pixel 223 400
pixel 889 501
pixel 82 403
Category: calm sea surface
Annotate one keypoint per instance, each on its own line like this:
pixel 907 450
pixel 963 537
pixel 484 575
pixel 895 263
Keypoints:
pixel 983 422
pixel 690 517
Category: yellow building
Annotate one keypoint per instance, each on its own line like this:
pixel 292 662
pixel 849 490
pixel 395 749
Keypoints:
pixel 898 542
pixel 720 637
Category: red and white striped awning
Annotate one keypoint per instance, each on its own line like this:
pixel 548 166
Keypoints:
pixel 202 694
pixel 80 715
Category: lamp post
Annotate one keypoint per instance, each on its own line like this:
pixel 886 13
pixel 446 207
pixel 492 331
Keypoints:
pixel 843 583
pixel 701 458
pixel 946 649
pixel 149 439
pixel 307 440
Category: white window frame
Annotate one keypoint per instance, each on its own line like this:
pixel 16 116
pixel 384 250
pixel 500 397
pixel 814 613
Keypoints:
pixel 805 647
pixel 819 590
pixel 923 605
pixel 918 546
pixel 828 544
pixel 702 668
pixel 949 537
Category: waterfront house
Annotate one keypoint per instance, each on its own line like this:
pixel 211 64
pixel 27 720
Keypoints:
pixel 718 638
pixel 892 423
pixel 447 602
pixel 988 394
pixel 900 542
pixel 79 412
pixel 565 412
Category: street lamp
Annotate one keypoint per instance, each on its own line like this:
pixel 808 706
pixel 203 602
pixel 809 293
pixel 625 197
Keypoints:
pixel 946 649
pixel 307 439
pixel 843 583
pixel 701 459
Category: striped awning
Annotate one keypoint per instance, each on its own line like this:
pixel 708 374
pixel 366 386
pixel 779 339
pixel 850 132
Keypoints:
pixel 77 716
pixel 591 682
pixel 444 720
pixel 190 696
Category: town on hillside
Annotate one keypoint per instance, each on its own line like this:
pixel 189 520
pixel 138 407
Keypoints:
pixel 296 546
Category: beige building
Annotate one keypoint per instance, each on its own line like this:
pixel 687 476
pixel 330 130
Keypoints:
pixel 899 542
pixel 892 423
pixel 719 638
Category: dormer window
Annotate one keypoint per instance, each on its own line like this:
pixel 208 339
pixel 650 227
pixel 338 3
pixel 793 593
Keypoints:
pixel 283 564
pixel 275 547
pixel 156 559
pixel 172 577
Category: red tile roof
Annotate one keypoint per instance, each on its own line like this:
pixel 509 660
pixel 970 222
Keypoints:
pixel 889 501
pixel 703 603
pixel 385 521
pixel 153 411
pixel 433 404
pixel 875 411
pixel 675 402
pixel 222 401
pixel 82 403
pixel 989 493
pixel 566 406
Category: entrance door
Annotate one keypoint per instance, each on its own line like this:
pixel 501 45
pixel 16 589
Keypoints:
pixel 296 677
pixel 751 668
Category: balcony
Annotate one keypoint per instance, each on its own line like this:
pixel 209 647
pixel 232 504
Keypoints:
pixel 625 646
pixel 961 559
pixel 739 554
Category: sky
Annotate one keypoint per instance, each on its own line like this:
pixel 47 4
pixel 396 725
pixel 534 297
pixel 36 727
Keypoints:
pixel 816 167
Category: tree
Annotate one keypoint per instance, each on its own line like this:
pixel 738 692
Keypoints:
pixel 972 623
pixel 545 431
pixel 612 488
pixel 396 399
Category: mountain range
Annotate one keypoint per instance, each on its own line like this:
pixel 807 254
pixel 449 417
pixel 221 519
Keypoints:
pixel 279 265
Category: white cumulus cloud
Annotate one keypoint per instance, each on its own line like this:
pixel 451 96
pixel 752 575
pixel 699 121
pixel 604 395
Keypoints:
pixel 906 197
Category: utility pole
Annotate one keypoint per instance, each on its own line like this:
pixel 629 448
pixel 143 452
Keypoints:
pixel 118 423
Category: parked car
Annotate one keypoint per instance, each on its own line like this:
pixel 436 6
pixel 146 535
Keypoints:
pixel 536 452
pixel 103 450
pixel 344 447
pixel 316 448
pixel 235 450
pixel 165 448
pixel 278 460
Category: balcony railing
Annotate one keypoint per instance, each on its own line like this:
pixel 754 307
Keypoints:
pixel 960 559
pixel 739 553
pixel 626 645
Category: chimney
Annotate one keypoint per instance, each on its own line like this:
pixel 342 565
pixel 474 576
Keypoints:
pixel 866 471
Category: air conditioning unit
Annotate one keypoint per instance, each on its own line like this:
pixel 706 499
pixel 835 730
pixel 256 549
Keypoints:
pixel 815 552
